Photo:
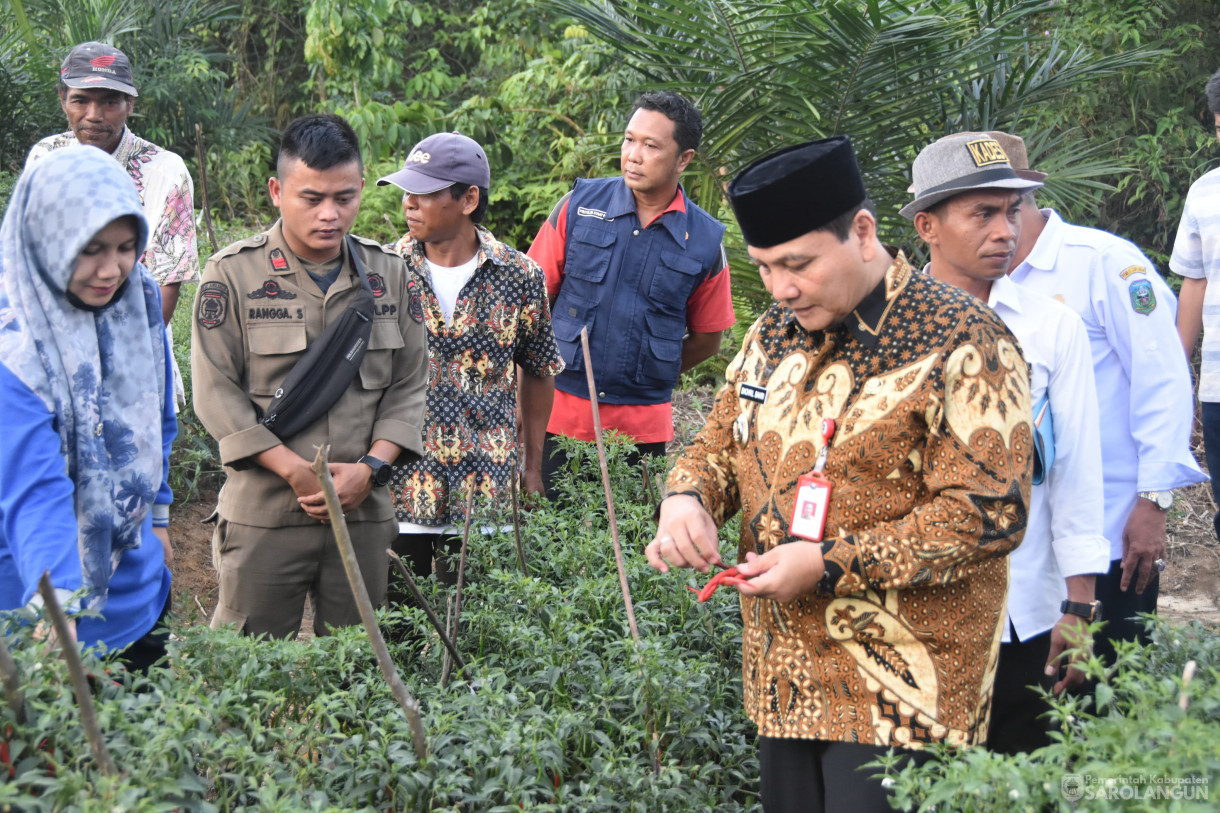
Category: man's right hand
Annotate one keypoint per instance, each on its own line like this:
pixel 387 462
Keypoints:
pixel 686 536
pixel 297 472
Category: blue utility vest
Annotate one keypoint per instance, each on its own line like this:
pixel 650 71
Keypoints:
pixel 629 285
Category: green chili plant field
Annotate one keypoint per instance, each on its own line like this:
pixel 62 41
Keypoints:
pixel 559 709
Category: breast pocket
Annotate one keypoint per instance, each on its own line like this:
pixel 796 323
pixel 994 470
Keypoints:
pixel 590 254
pixel 274 349
pixel 673 280
pixel 377 369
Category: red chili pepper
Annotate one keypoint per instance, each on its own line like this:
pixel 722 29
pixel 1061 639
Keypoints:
pixel 728 576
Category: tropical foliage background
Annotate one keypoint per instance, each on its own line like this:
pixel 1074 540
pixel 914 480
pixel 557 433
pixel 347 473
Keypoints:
pixel 1108 93
pixel 565 713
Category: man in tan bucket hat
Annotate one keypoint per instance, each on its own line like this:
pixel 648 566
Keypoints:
pixel 972 235
pixel 1143 391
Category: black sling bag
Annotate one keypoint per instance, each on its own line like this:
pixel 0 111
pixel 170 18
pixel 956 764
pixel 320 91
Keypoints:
pixel 323 374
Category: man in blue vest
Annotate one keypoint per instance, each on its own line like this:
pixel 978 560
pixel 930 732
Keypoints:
pixel 642 267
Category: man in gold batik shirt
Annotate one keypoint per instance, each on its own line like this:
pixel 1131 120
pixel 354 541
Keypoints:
pixel 884 633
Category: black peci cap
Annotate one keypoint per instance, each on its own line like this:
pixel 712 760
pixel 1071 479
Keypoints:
pixel 796 190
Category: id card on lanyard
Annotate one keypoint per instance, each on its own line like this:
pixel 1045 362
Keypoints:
pixel 813 493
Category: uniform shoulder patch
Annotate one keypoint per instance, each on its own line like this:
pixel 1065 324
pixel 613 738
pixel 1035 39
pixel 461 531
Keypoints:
pixel 1143 298
pixel 1132 270
pixel 415 307
pixel 213 304
pixel 377 284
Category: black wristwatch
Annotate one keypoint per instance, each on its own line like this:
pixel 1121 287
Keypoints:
pixel 1089 611
pixel 382 471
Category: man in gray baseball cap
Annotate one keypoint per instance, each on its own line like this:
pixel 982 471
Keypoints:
pixel 485 308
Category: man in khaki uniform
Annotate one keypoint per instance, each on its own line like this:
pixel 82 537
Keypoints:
pixel 261 304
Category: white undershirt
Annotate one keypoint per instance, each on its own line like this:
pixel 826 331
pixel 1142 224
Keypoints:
pixel 447 283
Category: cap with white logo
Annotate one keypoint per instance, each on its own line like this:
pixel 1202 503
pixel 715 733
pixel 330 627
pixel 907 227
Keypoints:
pixel 98 65
pixel 440 161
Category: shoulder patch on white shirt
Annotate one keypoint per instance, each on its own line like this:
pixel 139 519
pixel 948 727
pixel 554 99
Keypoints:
pixel 1131 270
pixel 1143 300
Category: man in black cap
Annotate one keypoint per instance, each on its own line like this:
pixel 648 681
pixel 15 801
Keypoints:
pixel 875 435
pixel 490 346
pixel 97 93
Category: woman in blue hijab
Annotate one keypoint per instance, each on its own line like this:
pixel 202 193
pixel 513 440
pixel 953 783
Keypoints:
pixel 88 420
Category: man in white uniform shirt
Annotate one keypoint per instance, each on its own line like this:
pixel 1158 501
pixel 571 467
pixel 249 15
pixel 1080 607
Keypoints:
pixel 967 209
pixel 1143 391
pixel 1196 256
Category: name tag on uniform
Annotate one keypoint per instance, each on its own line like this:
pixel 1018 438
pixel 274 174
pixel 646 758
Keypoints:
pixel 754 393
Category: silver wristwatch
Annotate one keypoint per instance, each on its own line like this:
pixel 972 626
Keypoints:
pixel 1161 499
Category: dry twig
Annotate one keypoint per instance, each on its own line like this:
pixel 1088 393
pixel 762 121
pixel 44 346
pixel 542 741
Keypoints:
pixel 410 706
pixel 461 578
pixel 517 526
pixel 652 497
pixel 80 683
pixel 428 611
pixel 601 458
pixel 201 155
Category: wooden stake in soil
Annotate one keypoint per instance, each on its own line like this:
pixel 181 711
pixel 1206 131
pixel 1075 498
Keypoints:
pixel 428 611
pixel 461 577
pixel 601 458
pixel 80 683
pixel 517 526
pixel 652 496
pixel 410 706
pixel 201 154
pixel 12 683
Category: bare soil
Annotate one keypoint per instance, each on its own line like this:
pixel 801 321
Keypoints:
pixel 1190 585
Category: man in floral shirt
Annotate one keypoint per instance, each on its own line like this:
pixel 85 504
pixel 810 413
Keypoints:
pixel 485 308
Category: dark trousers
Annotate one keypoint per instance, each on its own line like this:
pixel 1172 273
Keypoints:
pixel 146 651
pixel 1017 724
pixel 814 776
pixel 417 552
pixel 1211 450
pixel 1121 608
pixel 554 462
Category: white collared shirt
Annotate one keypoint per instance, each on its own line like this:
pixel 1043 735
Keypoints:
pixel 1145 401
pixel 1196 254
pixel 1063 536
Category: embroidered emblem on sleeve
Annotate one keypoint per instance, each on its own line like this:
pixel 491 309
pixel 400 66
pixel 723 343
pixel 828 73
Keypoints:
pixel 1143 300
pixel 213 304
pixel 1132 270
pixel 415 308
pixel 377 284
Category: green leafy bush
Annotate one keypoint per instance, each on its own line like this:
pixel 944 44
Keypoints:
pixel 560 710
pixel 1129 745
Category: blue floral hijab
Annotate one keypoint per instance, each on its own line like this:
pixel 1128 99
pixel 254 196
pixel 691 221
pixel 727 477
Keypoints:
pixel 100 371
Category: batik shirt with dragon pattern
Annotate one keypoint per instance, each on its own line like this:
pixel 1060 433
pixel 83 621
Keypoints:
pixel 930 468
pixel 501 319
